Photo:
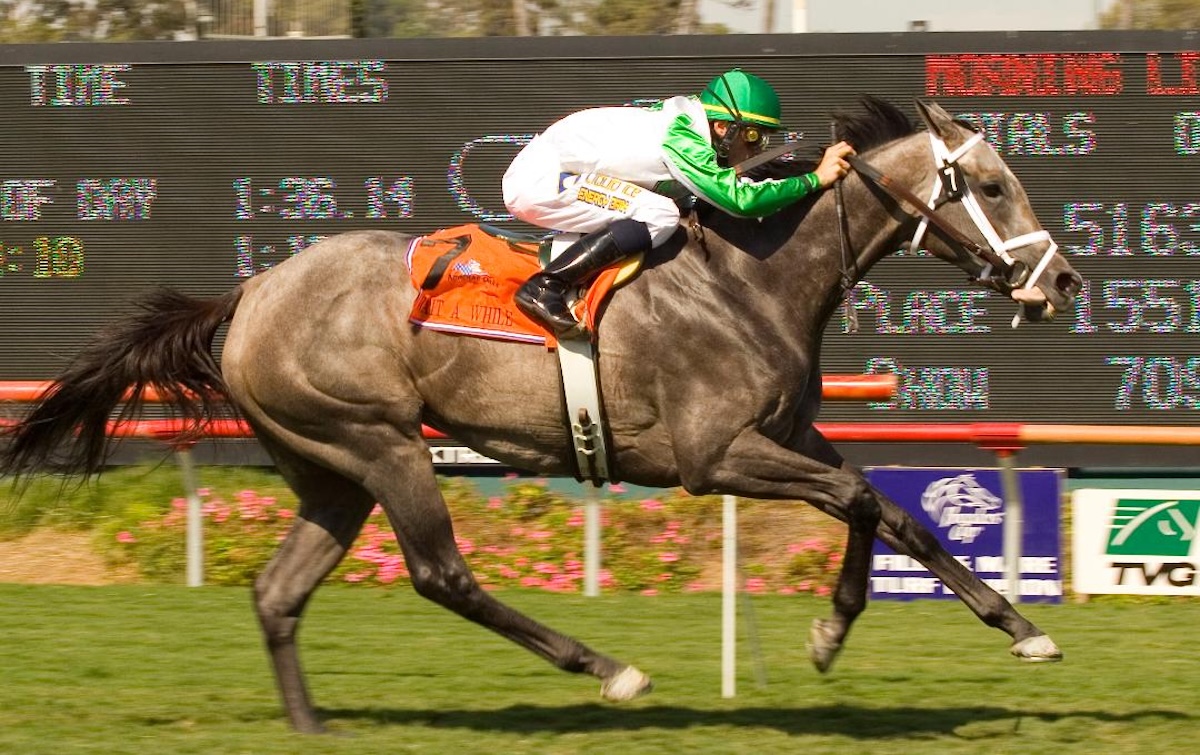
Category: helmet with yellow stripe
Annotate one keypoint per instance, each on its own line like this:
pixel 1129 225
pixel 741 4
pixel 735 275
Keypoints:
pixel 742 98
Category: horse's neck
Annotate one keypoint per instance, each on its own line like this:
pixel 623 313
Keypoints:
pixel 877 227
pixel 801 254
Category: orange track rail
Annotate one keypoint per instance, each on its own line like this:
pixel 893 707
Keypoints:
pixel 999 436
pixel 835 388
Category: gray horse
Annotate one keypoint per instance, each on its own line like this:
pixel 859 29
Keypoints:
pixel 709 365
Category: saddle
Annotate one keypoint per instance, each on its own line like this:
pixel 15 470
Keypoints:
pixel 466 277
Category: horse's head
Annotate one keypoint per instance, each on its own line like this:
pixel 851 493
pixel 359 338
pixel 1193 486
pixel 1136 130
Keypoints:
pixel 980 219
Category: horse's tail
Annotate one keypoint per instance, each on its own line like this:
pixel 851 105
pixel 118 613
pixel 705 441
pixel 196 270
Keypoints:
pixel 166 346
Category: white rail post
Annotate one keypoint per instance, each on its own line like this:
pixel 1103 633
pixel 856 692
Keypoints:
pixel 729 592
pixel 1014 523
pixel 591 541
pixel 195 528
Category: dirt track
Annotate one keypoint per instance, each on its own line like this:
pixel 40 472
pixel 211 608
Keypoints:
pixel 48 557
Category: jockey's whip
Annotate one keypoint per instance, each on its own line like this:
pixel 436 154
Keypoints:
pixel 848 264
pixel 766 156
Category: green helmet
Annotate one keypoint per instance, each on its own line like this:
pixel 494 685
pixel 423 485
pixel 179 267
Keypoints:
pixel 739 96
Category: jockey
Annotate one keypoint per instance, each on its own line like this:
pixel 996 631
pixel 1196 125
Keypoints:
pixel 614 174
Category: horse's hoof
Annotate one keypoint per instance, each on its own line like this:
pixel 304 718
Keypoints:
pixel 822 647
pixel 309 726
pixel 627 685
pixel 1038 649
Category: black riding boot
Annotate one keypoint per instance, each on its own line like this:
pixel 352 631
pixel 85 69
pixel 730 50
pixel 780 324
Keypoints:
pixel 542 297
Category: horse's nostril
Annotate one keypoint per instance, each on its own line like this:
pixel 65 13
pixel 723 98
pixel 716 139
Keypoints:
pixel 1069 283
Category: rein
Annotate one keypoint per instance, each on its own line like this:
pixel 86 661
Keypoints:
pixel 849 261
pixel 766 156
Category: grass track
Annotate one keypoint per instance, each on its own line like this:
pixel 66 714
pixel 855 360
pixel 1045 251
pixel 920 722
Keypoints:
pixel 167 669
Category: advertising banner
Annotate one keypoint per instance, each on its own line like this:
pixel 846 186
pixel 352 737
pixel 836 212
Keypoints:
pixel 965 508
pixel 1135 542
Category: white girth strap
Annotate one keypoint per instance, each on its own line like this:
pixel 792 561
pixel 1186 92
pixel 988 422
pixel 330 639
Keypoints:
pixel 581 391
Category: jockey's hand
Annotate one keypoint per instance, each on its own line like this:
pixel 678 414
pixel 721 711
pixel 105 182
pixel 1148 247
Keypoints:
pixel 833 165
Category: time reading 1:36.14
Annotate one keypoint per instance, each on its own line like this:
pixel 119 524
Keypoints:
pixel 313 198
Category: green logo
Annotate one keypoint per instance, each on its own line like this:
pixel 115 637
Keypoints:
pixel 1153 527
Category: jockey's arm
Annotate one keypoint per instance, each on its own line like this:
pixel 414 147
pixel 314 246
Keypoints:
pixel 693 161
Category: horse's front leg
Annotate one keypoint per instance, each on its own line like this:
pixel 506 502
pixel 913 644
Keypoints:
pixel 827 636
pixel 905 535
pixel 756 467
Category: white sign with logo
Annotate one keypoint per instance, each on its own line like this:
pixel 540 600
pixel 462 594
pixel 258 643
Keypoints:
pixel 1136 542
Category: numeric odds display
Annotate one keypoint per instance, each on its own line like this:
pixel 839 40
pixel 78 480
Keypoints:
pixel 199 165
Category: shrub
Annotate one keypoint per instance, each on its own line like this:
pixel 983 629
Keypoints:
pixel 530 537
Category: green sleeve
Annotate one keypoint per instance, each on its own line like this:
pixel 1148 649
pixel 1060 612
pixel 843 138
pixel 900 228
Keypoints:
pixel 694 162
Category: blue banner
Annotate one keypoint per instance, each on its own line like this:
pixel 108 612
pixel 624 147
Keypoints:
pixel 965 508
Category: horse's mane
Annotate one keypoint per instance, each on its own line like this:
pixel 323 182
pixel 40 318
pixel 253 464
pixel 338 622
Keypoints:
pixel 873 123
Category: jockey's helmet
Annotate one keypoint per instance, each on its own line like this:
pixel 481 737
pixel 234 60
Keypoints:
pixel 742 98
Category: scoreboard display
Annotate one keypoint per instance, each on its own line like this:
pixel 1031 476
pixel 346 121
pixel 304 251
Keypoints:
pixel 200 164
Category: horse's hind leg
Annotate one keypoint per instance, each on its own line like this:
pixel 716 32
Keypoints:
pixel 332 512
pixel 408 491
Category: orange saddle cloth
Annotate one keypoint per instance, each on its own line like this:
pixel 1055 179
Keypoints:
pixel 466 277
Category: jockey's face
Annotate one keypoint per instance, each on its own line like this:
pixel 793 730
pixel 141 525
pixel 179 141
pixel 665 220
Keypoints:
pixel 748 140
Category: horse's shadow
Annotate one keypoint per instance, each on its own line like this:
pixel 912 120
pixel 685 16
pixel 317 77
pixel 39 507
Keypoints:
pixel 856 722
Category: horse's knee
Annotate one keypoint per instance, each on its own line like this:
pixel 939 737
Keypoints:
pixel 862 510
pixel 278 614
pixel 449 585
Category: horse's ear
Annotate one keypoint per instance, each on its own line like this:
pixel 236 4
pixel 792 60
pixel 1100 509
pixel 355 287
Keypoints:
pixel 936 118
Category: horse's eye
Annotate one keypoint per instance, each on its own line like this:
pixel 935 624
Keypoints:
pixel 992 189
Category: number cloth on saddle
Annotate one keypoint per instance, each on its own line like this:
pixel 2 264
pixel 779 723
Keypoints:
pixel 466 277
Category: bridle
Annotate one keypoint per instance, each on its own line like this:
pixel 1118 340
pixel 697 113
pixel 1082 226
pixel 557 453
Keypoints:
pixel 1000 271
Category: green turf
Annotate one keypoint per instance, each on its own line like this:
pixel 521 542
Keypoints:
pixel 176 670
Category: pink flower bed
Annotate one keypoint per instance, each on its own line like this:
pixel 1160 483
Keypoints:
pixel 531 537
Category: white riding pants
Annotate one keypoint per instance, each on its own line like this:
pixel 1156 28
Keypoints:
pixel 538 191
